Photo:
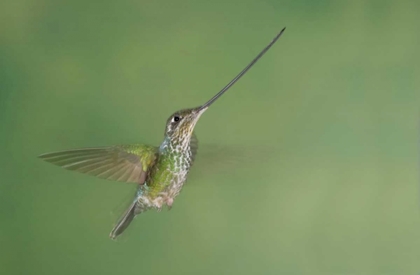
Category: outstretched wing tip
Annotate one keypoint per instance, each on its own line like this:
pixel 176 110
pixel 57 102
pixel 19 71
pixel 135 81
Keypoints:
pixel 44 156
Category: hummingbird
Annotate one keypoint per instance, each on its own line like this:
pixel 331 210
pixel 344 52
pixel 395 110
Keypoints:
pixel 160 172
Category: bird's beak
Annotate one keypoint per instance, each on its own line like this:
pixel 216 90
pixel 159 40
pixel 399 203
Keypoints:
pixel 199 111
pixel 204 107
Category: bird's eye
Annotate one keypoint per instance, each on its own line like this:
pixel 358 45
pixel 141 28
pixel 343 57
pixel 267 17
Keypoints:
pixel 176 118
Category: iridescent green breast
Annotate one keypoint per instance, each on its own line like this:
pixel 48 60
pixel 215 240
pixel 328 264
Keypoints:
pixel 173 163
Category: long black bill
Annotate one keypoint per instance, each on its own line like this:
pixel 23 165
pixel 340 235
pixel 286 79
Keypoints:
pixel 233 81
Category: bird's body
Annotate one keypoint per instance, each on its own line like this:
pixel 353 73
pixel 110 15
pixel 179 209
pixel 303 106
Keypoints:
pixel 160 172
pixel 164 181
pixel 166 177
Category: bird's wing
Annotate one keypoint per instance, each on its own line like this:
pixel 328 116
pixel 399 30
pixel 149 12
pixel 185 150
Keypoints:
pixel 125 163
pixel 194 145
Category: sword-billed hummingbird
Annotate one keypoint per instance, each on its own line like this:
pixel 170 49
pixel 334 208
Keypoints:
pixel 160 172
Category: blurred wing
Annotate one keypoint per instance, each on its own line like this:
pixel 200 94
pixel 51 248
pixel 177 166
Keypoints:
pixel 125 163
pixel 194 145
pixel 227 160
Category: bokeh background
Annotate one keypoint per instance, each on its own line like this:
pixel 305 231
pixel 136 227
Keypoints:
pixel 309 164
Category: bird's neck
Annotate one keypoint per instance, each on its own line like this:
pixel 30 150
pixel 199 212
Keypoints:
pixel 171 145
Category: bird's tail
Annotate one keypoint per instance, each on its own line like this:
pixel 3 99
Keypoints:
pixel 124 221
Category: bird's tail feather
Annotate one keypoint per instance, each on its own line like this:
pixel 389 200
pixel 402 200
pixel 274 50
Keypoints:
pixel 124 221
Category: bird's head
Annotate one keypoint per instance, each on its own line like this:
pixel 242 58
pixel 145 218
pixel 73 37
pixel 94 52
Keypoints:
pixel 180 125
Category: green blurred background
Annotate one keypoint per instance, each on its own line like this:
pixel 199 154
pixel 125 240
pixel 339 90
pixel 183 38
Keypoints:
pixel 323 133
